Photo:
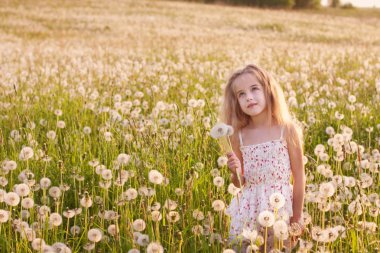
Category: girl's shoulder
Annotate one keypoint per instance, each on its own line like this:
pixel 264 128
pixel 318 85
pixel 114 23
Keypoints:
pixel 293 133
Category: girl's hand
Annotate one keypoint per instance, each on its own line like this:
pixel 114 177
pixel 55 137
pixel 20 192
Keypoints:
pixel 297 229
pixel 233 163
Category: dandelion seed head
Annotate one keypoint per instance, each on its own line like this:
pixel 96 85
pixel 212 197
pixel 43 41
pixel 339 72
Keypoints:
pixel 94 235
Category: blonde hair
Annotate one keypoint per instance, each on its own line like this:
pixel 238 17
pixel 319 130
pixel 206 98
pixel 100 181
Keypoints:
pixel 232 114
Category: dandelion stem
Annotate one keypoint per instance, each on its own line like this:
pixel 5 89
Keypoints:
pixel 265 239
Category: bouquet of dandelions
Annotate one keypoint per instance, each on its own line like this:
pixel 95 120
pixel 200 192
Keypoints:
pixel 223 132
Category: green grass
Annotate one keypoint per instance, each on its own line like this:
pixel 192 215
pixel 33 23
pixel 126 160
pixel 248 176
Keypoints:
pixel 133 68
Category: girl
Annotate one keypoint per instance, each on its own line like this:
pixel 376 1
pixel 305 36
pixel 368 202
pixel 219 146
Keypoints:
pixel 267 150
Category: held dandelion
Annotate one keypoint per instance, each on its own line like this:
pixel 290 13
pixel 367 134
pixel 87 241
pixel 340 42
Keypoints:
pixel 223 131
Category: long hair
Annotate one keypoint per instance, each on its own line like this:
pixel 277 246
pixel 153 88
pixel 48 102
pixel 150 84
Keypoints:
pixel 232 114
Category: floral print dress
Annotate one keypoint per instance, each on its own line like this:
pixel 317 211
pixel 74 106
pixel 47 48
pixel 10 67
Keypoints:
pixel 266 171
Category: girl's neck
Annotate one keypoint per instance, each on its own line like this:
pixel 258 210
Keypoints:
pixel 261 120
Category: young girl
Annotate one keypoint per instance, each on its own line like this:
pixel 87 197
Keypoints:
pixel 267 150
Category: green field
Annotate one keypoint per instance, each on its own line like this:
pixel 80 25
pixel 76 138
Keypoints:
pixel 95 95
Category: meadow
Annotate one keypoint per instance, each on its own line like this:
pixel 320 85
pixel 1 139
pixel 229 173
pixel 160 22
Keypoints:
pixel 106 109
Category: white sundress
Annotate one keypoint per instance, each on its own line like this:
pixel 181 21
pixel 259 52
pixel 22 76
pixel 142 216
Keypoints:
pixel 266 170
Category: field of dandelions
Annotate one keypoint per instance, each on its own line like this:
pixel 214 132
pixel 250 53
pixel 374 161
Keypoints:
pixel 106 110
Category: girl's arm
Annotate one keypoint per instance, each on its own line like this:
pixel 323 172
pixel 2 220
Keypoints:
pixel 298 171
pixel 235 148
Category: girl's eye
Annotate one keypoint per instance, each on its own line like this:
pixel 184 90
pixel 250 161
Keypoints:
pixel 241 94
pixel 254 88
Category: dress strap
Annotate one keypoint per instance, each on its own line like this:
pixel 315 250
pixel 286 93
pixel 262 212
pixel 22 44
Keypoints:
pixel 282 132
pixel 241 140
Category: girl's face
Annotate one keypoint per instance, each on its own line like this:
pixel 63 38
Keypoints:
pixel 250 94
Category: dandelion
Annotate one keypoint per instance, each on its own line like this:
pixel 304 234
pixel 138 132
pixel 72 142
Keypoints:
pixel 106 174
pixel 338 115
pixel 222 161
pixel 75 230
pixel 369 226
pixel 156 216
pixel 55 219
pixel 198 215
pixel 86 201
pixel 10 165
pixel 281 230
pixel 43 122
pixel 55 192
pixel 319 149
pixel 156 206
pixel 61 247
pixel 26 153
pixel 58 112
pixel 12 199
pixel 351 98
pixel 4 216
pixel 155 177
pixel 94 235
pixel 22 190
pixel 331 234
pixel 170 204
pixel 139 225
pixel 133 251
pixel 110 215
pixel 38 244
pixel 107 136
pixel 123 159
pixel 143 240
pixel 373 211
pixel 330 131
pixel 172 216
pixel 45 183
pixel 218 205
pixel 232 189
pixel 277 200
pixel 3 181
pixel 283 215
pixel 25 214
pixel 324 206
pixel 43 210
pixel 130 194
pixel 365 180
pixel 113 230
pixel 266 218
pixel 219 130
pixel 355 208
pixel 27 203
pixel 318 234
pixel 61 124
pixel 69 214
pixel 89 246
pixel 349 181
pixel 218 181
pixel 51 135
pixel 87 130
pixel 229 251
pixel 28 234
pixel 216 237
pixel 178 191
pixel 215 172
pixel 154 247
pixel 250 235
pixel 327 189
pixel 197 230
pixel 99 169
pixel 295 229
